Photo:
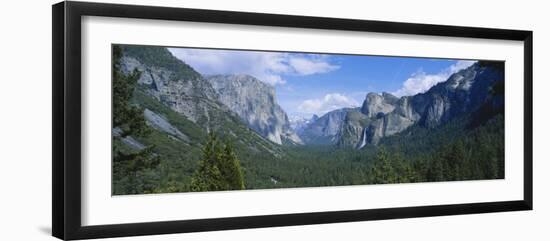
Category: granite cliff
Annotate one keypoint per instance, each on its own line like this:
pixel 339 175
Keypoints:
pixel 254 102
pixel 383 115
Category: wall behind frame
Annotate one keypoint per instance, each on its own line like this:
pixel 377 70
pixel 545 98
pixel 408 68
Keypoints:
pixel 25 123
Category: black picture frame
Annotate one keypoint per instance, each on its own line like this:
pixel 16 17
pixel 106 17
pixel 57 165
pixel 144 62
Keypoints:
pixel 66 128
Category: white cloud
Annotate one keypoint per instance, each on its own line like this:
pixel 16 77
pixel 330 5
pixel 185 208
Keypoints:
pixel 304 66
pixel 266 66
pixel 328 103
pixel 420 81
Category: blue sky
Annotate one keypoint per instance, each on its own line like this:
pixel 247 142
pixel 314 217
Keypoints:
pixel 309 84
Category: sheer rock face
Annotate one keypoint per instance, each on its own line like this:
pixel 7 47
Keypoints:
pixel 187 92
pixel 375 104
pixel 352 131
pixel 189 95
pixel 254 102
pixel 384 115
pixel 160 123
pixel 179 87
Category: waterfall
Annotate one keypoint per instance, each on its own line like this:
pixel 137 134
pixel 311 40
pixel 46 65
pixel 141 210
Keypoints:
pixel 364 139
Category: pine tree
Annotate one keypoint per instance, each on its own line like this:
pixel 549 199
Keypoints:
pixel 129 121
pixel 219 168
pixel 231 168
pixel 128 118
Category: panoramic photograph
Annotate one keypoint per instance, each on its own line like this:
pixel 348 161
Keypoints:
pixel 198 120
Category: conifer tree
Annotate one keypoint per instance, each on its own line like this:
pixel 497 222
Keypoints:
pixel 219 168
pixel 231 168
pixel 128 120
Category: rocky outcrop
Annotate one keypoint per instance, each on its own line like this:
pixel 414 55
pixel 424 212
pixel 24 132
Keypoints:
pixel 183 105
pixel 206 100
pixel 352 131
pixel 464 92
pixel 172 82
pixel 376 104
pixel 254 102
pixel 160 123
pixel 128 140
pixel 384 115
